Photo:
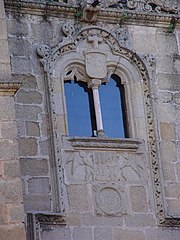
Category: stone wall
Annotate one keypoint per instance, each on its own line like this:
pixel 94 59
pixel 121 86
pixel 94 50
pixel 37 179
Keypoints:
pixel 97 189
pixel 11 208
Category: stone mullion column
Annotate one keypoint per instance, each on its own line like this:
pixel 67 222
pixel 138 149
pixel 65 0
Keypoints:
pixel 94 84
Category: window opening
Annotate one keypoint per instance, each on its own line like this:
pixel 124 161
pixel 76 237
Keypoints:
pixel 82 116
pixel 80 109
pixel 111 97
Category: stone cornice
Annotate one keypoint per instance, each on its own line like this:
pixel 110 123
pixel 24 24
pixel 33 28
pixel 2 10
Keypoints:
pixel 109 15
pixel 9 89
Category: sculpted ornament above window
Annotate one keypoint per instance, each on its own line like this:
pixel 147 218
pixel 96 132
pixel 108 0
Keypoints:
pixel 154 6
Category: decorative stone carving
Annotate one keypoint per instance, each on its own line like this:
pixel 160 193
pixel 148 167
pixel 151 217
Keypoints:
pixel 68 30
pixel 110 200
pixel 78 159
pixel 36 220
pixel 122 34
pixel 103 167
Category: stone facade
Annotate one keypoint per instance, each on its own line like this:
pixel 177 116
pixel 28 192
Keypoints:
pixel 80 187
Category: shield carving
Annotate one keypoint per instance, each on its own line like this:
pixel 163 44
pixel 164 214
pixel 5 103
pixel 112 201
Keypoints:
pixel 96 65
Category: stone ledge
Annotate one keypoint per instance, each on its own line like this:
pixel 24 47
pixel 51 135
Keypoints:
pixel 104 143
pixel 9 88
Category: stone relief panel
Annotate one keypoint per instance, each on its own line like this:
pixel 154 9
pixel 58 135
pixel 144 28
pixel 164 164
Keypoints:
pixel 109 200
pixel 101 166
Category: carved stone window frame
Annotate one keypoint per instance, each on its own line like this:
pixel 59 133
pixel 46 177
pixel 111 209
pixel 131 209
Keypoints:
pixel 65 54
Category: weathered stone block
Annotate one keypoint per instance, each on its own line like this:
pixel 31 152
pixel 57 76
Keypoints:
pixel 103 234
pixel 3 215
pixel 3 31
pixel 8 130
pixel 11 169
pixel 39 186
pixel 140 220
pixel 166 112
pixel 27 112
pixel 5 71
pixel 163 234
pixel 4 56
pixel 177 98
pixel 138 198
pixel 178 170
pixel 168 171
pixel 28 80
pixel 167 131
pixel 2 12
pixel 21 65
pixel 7 109
pixel 120 234
pixel 8 149
pixel 82 233
pixel 44 147
pixel 37 203
pixel 90 220
pixel 166 43
pixel 19 47
pixel 73 219
pixel 28 97
pixel 15 232
pixel 172 190
pixel 15 213
pixel 27 146
pixel 32 129
pixel 55 233
pixel 1 169
pixel 138 33
pixel 169 82
pixel 34 167
pixel 17 28
pixel 173 207
pixel 80 199
pixel 165 97
pixel 11 191
pixel 165 64
pixel 168 151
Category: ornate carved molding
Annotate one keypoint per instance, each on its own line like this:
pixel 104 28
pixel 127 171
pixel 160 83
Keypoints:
pixel 9 88
pixel 36 220
pixel 150 11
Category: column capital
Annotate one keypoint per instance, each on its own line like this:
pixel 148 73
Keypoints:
pixel 94 83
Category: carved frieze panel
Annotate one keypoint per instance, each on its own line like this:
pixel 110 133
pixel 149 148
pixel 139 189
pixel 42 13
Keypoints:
pixel 104 166
pixel 110 200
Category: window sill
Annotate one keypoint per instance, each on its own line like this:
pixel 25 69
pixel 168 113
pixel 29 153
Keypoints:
pixel 104 143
